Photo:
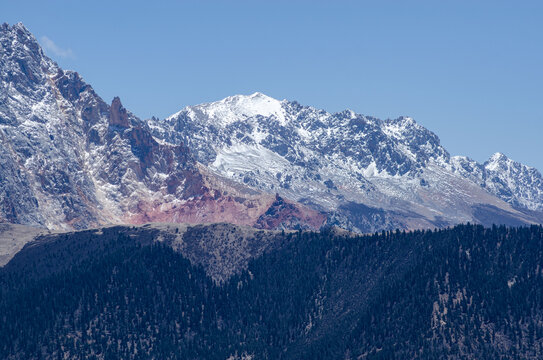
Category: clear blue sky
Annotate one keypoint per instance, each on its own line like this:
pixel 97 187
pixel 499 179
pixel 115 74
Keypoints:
pixel 471 71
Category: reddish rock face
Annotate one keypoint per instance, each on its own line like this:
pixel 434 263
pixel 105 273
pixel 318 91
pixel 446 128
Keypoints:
pixel 289 215
pixel 204 209
pixel 118 116
pixel 263 212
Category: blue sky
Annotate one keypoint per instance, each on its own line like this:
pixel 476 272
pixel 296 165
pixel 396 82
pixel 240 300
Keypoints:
pixel 471 71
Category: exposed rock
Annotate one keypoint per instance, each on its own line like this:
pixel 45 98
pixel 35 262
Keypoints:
pixel 73 161
pixel 70 160
pixel 283 214
pixel 118 115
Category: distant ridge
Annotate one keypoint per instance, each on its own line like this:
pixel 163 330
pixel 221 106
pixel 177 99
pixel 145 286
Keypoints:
pixel 73 161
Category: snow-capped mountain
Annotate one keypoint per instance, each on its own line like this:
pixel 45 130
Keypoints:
pixel 70 160
pixel 365 172
pixel 511 181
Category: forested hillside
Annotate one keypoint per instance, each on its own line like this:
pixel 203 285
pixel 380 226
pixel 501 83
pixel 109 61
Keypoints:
pixel 461 293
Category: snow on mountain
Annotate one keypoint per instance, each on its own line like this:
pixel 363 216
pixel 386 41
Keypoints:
pixel 365 172
pixel 228 110
pixel 511 181
pixel 72 161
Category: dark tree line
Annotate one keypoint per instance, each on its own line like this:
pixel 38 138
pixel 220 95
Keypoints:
pixel 463 293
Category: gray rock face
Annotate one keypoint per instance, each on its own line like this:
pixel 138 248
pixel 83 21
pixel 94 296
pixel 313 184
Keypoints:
pixel 70 159
pixel 40 182
pixel 511 181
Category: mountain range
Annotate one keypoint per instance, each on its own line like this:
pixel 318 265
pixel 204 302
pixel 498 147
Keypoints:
pixel 232 230
pixel 72 161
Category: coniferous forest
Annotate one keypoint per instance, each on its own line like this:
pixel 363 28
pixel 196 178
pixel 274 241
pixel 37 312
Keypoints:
pixel 462 293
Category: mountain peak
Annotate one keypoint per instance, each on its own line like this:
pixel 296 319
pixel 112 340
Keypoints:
pixel 18 30
pixel 19 44
pixel 234 108
pixel 258 94
pixel 18 26
pixel 402 120
pixel 497 160
pixel 498 156
pixel 118 115
pixel 254 97
pixel 516 183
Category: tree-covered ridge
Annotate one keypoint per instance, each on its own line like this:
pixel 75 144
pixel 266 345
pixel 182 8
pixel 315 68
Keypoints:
pixel 461 293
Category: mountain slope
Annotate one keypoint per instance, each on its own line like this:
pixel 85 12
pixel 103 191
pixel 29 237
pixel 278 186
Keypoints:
pixel 366 173
pixel 222 249
pixel 460 293
pixel 518 184
pixel 73 161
